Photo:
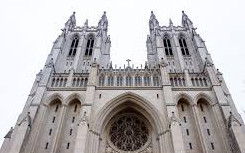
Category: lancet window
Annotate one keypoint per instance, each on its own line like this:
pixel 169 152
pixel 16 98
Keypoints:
pixel 119 81
pixel 147 80
pixel 73 48
pixel 138 81
pixel 167 46
pixel 183 46
pixel 110 81
pixel 102 81
pixel 156 80
pixel 90 46
pixel 128 81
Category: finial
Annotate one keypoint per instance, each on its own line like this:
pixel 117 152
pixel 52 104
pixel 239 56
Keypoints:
pixel 152 15
pixel 86 23
pixel 104 15
pixel 153 23
pixel 103 21
pixel 170 22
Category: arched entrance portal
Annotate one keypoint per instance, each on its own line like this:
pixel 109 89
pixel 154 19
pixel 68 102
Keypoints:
pixel 128 124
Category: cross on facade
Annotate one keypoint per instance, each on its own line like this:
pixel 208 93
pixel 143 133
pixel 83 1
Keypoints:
pixel 128 60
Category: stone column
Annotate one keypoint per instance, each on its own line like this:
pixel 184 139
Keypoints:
pixel 94 141
pixel 53 148
pixel 70 78
pixel 82 131
pixel 169 102
pixel 187 78
pixel 220 127
pixel 198 126
pixel 21 131
pixel 34 138
pixel 179 53
pixel 238 131
pixel 176 134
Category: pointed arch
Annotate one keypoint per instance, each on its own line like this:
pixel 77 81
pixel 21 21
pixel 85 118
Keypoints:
pixel 188 123
pixel 132 100
pixel 50 99
pixel 70 121
pixel 208 124
pixel 204 96
pixel 74 96
pixel 184 96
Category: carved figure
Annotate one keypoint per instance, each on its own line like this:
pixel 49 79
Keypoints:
pixel 27 119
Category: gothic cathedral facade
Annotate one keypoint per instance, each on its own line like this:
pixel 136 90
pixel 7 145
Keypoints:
pixel 177 102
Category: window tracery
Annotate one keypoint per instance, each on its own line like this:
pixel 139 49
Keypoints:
pixel 90 46
pixel 167 46
pixel 73 48
pixel 183 46
pixel 128 132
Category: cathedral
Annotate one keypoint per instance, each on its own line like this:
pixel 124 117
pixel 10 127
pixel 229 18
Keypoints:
pixel 177 102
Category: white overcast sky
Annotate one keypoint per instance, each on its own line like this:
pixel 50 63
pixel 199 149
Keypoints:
pixel 28 28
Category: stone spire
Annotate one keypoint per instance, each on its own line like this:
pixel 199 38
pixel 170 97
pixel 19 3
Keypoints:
pixel 71 23
pixel 153 22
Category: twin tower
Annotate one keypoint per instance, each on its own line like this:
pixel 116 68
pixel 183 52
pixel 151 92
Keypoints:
pixel 177 102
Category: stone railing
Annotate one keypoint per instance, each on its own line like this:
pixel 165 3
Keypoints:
pixel 177 79
pixel 189 80
pixel 129 77
pixel 61 80
pixel 199 80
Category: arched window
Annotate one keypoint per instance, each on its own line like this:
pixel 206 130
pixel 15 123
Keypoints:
pixel 172 81
pixel 147 80
pixel 137 81
pixel 167 46
pixel 101 81
pixel 89 47
pixel 119 81
pixel 110 81
pixel 155 80
pixel 183 46
pixel 73 48
pixel 128 81
pixel 85 82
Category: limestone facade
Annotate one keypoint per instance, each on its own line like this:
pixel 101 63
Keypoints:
pixel 177 102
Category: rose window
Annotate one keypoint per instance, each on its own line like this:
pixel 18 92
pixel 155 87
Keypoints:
pixel 128 133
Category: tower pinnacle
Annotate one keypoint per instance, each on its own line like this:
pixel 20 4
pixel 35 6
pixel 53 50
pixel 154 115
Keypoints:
pixel 153 22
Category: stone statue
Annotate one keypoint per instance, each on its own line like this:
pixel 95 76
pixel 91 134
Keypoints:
pixel 208 62
pixel 84 119
pixel 71 23
pixel 27 119
pixel 163 63
pixel 174 120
